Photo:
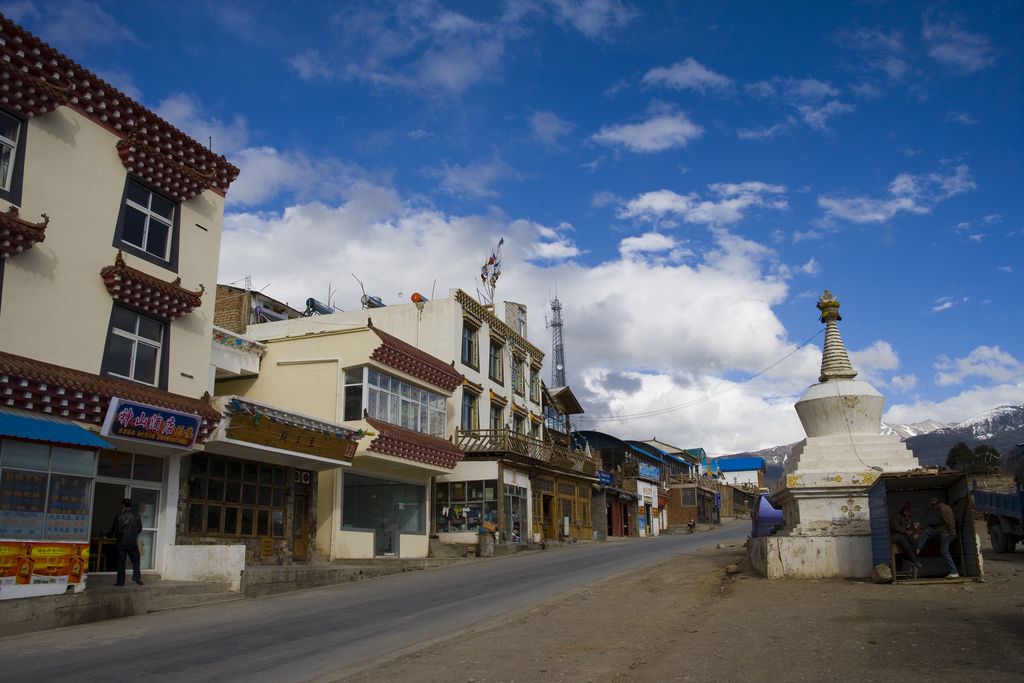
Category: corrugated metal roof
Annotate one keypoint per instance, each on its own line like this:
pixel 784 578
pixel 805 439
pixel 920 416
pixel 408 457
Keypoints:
pixel 41 427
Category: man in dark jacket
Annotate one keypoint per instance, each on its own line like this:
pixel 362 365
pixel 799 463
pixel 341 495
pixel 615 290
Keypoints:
pixel 945 531
pixel 126 529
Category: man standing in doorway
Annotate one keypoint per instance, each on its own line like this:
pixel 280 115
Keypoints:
pixel 945 531
pixel 126 529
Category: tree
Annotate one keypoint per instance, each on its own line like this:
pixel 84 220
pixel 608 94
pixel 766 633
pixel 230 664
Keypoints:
pixel 982 460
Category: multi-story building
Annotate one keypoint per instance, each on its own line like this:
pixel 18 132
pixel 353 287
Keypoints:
pixel 110 226
pixel 517 481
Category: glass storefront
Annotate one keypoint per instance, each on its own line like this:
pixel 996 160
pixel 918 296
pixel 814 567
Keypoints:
pixel 121 475
pixel 386 507
pixel 516 513
pixel 465 505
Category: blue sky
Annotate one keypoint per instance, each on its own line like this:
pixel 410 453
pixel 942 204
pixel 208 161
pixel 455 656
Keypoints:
pixel 690 176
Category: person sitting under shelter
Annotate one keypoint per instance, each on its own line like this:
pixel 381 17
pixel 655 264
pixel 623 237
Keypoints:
pixel 901 531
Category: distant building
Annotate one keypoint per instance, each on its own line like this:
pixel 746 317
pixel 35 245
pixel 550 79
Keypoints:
pixel 741 470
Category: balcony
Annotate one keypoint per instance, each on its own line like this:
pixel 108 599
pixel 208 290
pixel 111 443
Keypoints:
pixel 526 449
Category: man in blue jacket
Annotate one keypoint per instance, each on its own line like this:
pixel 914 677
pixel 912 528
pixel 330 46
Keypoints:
pixel 126 529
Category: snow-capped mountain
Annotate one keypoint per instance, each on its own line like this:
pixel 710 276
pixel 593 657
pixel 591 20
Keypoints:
pixel 1001 428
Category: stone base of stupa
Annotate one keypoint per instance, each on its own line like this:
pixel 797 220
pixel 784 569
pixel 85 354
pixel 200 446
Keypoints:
pixel 824 502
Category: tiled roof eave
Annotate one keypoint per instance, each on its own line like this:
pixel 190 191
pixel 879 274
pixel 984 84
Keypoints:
pixel 33 385
pixel 399 442
pixel 17 234
pixel 168 300
pixel 402 356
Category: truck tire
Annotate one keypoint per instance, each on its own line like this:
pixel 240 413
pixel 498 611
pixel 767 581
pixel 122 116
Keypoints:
pixel 1000 542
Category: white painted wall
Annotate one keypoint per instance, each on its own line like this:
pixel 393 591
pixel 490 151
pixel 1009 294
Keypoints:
pixel 219 563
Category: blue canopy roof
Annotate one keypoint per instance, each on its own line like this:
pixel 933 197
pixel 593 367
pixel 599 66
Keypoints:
pixel 647 449
pixel 738 464
pixel 41 427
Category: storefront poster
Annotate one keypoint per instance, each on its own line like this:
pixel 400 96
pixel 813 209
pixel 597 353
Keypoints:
pixel 24 566
pixel 149 424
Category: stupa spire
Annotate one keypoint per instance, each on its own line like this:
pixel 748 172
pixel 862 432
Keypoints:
pixel 835 364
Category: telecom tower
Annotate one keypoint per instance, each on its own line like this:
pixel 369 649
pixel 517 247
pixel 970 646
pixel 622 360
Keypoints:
pixel 557 347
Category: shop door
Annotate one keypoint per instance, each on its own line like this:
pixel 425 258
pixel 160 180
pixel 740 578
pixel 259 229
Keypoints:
pixel 549 522
pixel 384 540
pixel 566 515
pixel 300 528
pixel 626 521
pixel 610 521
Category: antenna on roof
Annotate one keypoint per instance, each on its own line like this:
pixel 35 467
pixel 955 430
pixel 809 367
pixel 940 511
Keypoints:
pixel 557 344
pixel 489 275
pixel 366 300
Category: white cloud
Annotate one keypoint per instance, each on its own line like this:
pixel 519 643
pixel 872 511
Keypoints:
pixel 988 362
pixel 907 193
pixel 605 198
pixel 993 218
pixel 761 133
pixel 956 48
pixel 976 238
pixel 816 116
pixel 880 52
pixel 547 127
pixel 687 74
pixel 732 204
pixel 1005 269
pixel 311 64
pixel 943 304
pixel 903 384
pixel 475 179
pixel 614 90
pixel 186 112
pixel 19 11
pixel 874 362
pixel 665 129
pixel 73 25
pixel 960 117
pixel 593 18
pixel 122 80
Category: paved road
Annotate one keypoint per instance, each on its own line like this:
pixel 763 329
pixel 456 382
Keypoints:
pixel 326 633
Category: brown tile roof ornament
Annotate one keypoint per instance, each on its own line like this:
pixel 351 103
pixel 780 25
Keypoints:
pixel 399 442
pixel 36 79
pixel 168 300
pixel 33 385
pixel 406 358
pixel 17 234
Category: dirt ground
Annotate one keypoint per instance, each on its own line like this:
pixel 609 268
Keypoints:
pixel 686 619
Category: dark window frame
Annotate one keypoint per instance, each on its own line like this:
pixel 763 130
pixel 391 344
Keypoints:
pixel 204 502
pixel 171 262
pixel 165 347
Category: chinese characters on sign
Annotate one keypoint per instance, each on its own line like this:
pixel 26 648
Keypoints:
pixel 22 504
pixel 141 422
pixel 649 471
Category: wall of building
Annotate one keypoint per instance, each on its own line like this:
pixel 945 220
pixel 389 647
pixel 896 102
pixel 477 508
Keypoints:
pixel 73 174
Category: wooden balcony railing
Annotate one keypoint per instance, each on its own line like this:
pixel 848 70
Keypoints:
pixel 526 447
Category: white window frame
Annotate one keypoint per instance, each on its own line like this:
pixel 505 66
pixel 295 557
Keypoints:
pixel 6 143
pixel 150 216
pixel 136 340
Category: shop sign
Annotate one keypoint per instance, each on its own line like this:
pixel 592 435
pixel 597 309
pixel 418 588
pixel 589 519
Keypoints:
pixel 30 564
pixel 606 478
pixel 149 424
pixel 259 430
pixel 718 499
pixel 649 471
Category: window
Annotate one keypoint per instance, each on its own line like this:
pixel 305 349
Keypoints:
pixel 45 491
pixel 465 505
pixel 400 403
pixel 12 157
pixel 555 421
pixel 232 497
pixel 135 348
pixel 497 416
pixel 354 395
pixel 516 513
pixel 469 414
pixel 372 503
pixel 469 346
pixel 147 225
pixel 518 424
pixel 518 380
pixel 494 366
pixel 534 385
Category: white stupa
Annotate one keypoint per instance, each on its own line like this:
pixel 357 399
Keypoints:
pixel 823 491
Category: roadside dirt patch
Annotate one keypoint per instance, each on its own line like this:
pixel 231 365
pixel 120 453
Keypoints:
pixel 687 619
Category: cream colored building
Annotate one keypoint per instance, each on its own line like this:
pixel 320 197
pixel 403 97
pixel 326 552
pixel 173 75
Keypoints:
pixel 110 227
pixel 514 477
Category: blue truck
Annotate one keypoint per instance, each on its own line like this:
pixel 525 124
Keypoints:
pixel 1004 512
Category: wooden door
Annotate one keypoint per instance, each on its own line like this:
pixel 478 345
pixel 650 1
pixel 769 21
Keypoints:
pixel 300 528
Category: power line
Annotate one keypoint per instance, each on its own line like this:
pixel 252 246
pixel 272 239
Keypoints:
pixel 672 409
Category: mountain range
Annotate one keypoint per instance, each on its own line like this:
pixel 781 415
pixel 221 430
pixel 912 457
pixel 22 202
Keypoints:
pixel 1001 428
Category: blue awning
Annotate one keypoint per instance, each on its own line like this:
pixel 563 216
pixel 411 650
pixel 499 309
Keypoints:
pixel 20 424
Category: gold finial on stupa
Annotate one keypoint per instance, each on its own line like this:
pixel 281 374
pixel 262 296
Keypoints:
pixel 835 363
